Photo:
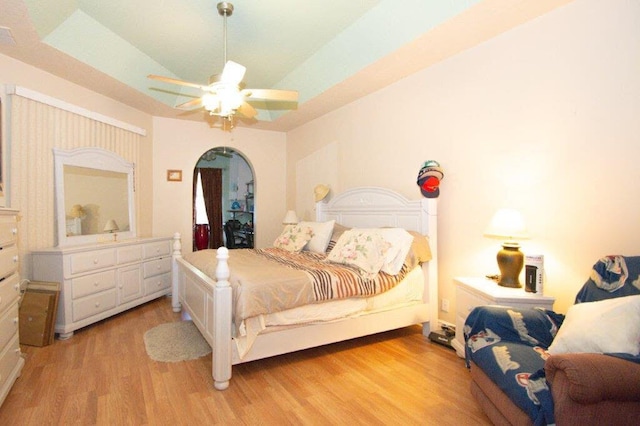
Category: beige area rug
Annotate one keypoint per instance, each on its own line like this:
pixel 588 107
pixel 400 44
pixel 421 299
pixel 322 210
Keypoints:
pixel 175 341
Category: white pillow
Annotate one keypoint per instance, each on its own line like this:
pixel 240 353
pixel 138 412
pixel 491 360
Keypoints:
pixel 361 248
pixel 293 238
pixel 606 326
pixel 321 235
pixel 400 243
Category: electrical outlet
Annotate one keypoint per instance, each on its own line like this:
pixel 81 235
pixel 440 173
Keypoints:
pixel 445 305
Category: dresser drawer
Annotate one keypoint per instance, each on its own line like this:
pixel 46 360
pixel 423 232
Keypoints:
pixel 157 267
pixel 466 301
pixel 93 305
pixel 9 359
pixel 8 260
pixel 157 283
pixel 158 249
pixel 129 254
pixel 97 259
pixel 9 291
pixel 8 325
pixel 8 230
pixel 94 283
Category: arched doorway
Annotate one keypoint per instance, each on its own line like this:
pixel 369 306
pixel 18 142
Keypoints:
pixel 223 200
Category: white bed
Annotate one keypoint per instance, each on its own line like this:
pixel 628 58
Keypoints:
pixel 209 302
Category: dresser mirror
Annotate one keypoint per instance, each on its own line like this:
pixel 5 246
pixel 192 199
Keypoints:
pixel 94 196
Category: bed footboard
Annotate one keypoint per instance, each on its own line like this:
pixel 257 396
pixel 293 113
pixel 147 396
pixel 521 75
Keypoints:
pixel 208 303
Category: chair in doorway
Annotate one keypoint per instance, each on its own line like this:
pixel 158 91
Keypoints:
pixel 235 238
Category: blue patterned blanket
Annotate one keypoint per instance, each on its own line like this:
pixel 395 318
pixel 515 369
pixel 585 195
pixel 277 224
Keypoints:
pixel 509 344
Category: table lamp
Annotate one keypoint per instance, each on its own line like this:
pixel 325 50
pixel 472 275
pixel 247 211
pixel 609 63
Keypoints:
pixel 290 218
pixel 508 225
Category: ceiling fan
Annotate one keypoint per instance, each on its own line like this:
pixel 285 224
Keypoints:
pixel 225 95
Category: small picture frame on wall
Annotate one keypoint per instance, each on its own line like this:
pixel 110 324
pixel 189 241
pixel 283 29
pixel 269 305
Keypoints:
pixel 174 175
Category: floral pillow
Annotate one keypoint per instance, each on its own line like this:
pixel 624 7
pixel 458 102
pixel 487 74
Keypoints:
pixel 363 249
pixel 293 238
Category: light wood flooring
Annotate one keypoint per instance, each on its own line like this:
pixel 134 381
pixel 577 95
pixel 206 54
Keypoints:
pixel 103 376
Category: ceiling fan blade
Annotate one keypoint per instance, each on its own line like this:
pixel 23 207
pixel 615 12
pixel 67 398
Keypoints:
pixel 233 73
pixel 194 103
pixel 247 110
pixel 176 81
pixel 271 95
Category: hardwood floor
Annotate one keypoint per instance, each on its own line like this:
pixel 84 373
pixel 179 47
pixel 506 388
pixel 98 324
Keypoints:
pixel 103 376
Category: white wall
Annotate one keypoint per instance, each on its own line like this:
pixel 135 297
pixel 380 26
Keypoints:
pixel 179 144
pixel 543 118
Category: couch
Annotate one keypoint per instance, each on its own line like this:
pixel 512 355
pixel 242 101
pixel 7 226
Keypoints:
pixel 535 366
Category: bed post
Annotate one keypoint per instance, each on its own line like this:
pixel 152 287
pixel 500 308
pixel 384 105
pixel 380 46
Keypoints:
pixel 430 218
pixel 176 253
pixel 221 363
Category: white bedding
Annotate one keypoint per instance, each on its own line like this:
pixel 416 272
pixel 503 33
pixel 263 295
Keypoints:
pixel 409 290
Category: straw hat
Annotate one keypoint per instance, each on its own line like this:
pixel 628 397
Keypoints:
pixel 321 191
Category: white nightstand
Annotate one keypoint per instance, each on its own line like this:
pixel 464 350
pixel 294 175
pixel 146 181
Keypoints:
pixel 472 292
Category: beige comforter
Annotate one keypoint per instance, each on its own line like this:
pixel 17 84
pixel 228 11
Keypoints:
pixel 272 280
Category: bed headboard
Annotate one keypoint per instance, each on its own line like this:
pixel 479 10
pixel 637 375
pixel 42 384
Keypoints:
pixel 373 207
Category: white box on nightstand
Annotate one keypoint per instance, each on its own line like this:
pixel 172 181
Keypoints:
pixel 479 291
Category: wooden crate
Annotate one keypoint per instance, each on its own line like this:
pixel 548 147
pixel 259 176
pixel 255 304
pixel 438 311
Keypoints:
pixel 38 311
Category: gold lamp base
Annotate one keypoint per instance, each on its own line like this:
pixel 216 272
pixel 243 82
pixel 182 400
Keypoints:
pixel 510 262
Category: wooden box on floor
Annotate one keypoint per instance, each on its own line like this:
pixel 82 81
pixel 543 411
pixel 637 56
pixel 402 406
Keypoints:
pixel 38 311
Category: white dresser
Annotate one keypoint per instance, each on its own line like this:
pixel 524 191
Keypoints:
pixel 479 291
pixel 11 360
pixel 101 280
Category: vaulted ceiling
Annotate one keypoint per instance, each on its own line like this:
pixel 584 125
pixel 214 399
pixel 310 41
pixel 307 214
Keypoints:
pixel 331 51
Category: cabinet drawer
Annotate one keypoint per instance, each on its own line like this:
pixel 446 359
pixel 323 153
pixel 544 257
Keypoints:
pixel 129 254
pixel 161 248
pixel 157 267
pixel 8 230
pixel 8 260
pixel 9 360
pixel 93 305
pixel 9 291
pixel 94 283
pixel 98 259
pixel 8 325
pixel 467 301
pixel 157 283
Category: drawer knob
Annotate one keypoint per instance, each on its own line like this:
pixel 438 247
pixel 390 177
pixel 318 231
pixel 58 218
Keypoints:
pixel 15 259
pixel 95 284
pixel 14 231
pixel 97 304
pixel 95 261
pixel 15 320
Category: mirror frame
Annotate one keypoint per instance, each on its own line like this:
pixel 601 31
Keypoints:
pixel 91 158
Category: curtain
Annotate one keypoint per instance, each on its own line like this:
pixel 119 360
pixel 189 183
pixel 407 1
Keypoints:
pixel 212 192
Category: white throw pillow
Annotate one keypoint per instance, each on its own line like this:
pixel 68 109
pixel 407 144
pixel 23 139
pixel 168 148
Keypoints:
pixel 400 243
pixel 321 235
pixel 606 326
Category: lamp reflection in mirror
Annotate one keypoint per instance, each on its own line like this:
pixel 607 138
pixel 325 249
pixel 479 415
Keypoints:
pixel 112 227
pixel 508 225
pixel 290 218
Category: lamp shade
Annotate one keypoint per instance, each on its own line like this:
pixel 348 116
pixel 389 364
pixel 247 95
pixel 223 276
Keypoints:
pixel 290 218
pixel 111 226
pixel 507 224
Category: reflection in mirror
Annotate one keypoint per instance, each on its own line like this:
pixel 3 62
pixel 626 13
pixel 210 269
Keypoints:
pixel 91 209
pixel 94 196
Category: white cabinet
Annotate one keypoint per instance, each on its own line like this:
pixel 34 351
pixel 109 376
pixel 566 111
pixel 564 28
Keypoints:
pixel 472 292
pixel 99 281
pixel 11 360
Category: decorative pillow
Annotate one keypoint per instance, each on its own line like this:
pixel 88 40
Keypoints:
pixel 293 238
pixel 361 248
pixel 606 326
pixel 321 235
